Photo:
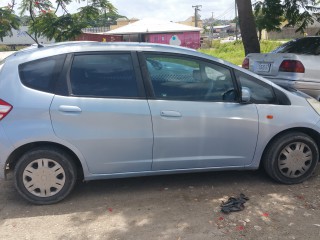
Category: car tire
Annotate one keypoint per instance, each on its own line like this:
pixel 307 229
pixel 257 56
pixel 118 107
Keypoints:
pixel 45 175
pixel 291 158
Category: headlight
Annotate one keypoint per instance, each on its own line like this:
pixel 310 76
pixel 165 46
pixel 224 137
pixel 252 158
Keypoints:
pixel 315 104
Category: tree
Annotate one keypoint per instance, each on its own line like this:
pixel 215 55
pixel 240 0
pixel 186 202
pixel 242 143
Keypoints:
pixel 268 15
pixel 248 27
pixel 106 19
pixel 44 20
pixel 301 13
pixel 8 20
pixel 298 13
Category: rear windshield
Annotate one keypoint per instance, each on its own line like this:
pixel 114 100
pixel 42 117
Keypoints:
pixel 309 46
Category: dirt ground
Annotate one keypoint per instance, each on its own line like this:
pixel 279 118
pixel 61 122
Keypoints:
pixel 174 207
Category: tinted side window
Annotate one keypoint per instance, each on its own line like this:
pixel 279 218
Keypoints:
pixel 182 78
pixel 261 93
pixel 103 75
pixel 42 74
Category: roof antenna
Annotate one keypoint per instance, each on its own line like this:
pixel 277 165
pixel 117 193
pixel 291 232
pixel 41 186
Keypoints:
pixel 34 39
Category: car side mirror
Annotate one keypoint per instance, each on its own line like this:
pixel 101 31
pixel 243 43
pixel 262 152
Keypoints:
pixel 245 95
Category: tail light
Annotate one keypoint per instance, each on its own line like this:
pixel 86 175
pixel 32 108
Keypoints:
pixel 292 66
pixel 245 63
pixel 5 108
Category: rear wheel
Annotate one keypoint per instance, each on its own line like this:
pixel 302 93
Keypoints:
pixel 45 175
pixel 291 158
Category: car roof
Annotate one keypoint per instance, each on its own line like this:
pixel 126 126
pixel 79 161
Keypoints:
pixel 89 46
pixel 35 52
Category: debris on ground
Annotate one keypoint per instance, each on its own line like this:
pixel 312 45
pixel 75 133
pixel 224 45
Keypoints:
pixel 234 204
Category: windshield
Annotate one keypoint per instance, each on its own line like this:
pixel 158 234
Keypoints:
pixel 309 46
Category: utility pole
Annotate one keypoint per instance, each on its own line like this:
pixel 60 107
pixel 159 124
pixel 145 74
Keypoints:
pixel 236 18
pixel 196 9
pixel 211 27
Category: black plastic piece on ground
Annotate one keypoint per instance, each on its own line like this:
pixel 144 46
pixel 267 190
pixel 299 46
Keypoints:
pixel 234 204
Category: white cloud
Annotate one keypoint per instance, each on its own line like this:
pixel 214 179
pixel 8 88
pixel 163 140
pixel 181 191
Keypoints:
pixel 173 10
pixel 170 10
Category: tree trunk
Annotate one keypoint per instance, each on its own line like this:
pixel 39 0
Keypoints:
pixel 260 34
pixel 248 27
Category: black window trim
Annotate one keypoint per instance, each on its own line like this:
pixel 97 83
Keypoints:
pixel 136 69
pixel 275 95
pixel 148 83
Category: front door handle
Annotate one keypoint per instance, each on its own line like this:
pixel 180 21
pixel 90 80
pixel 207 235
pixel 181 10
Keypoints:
pixel 69 109
pixel 173 114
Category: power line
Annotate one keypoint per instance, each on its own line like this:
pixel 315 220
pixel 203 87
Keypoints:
pixel 226 12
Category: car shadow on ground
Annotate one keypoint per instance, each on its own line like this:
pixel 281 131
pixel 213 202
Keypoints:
pixel 89 195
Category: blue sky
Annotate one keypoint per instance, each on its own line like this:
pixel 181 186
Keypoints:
pixel 171 10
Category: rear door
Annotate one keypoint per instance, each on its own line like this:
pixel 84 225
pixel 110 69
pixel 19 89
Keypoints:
pixel 105 114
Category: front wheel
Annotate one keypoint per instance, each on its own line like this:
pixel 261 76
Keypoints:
pixel 45 175
pixel 291 158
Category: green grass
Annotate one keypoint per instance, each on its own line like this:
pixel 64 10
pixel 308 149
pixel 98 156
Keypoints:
pixel 234 52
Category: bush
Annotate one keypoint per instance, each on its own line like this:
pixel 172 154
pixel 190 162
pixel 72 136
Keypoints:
pixel 234 52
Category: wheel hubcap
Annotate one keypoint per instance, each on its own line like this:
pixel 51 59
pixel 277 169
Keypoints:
pixel 44 177
pixel 295 159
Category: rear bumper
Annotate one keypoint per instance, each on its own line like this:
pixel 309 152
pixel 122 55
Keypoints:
pixel 5 150
pixel 308 87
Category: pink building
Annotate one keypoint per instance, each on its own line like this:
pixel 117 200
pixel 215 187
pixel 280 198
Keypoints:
pixel 185 39
pixel 154 31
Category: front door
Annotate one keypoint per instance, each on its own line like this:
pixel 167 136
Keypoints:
pixel 197 121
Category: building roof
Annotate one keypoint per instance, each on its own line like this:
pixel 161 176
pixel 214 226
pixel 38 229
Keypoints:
pixel 221 27
pixel 152 26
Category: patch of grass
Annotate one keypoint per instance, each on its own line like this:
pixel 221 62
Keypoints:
pixel 268 46
pixel 234 52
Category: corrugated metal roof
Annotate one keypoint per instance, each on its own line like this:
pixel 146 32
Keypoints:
pixel 152 26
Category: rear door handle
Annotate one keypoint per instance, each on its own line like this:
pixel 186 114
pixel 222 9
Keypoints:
pixel 173 114
pixel 69 109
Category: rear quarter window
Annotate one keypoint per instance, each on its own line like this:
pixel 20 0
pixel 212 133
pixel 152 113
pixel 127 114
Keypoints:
pixel 41 74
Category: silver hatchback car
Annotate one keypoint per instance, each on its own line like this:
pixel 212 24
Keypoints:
pixel 98 110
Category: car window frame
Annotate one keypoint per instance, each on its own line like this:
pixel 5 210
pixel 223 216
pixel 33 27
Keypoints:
pixel 148 82
pixel 135 66
pixel 262 83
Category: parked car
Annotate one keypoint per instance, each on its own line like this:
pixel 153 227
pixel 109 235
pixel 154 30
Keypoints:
pixel 98 111
pixel 295 64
